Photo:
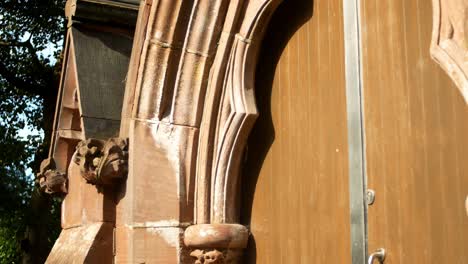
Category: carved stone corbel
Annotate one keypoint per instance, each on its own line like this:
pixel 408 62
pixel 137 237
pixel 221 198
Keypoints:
pixel 216 243
pixel 102 162
pixel 50 180
pixel 212 256
pixel 449 46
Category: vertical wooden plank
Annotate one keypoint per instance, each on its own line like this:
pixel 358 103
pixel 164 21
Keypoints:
pixel 296 172
pixel 414 123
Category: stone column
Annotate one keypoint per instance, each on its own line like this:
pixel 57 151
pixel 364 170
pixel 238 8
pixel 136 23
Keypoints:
pixel 189 108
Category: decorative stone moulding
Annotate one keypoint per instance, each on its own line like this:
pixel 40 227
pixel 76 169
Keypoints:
pixel 50 180
pixel 449 45
pixel 190 94
pixel 102 162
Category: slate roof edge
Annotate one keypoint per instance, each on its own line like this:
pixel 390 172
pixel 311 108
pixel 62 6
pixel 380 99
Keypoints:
pixel 118 12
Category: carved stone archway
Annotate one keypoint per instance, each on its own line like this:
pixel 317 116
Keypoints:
pixel 188 110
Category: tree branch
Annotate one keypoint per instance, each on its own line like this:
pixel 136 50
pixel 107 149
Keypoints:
pixel 26 44
pixel 19 83
pixel 14 43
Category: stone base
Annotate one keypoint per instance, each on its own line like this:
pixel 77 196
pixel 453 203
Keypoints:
pixel 84 244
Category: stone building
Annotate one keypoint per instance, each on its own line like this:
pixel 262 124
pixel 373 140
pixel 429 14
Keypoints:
pixel 261 131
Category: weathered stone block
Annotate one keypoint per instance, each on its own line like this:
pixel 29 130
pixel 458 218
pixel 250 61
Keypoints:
pixel 83 244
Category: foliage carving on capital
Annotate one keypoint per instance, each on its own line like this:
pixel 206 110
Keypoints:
pixel 207 256
pixel 216 256
pixel 216 243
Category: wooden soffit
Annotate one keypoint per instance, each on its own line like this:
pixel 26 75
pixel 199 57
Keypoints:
pixel 115 12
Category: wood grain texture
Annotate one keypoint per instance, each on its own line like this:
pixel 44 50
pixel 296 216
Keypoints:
pixel 296 172
pixel 416 127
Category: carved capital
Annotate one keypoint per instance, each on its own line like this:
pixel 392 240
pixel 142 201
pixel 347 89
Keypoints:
pixel 216 243
pixel 215 256
pixel 102 162
pixel 207 256
pixel 50 180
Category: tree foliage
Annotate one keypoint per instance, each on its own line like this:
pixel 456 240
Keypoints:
pixel 31 37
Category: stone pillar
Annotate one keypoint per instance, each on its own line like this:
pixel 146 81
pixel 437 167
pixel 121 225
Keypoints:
pixel 188 110
pixel 156 203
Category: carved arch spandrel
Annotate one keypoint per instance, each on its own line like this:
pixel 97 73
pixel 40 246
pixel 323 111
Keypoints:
pixel 449 46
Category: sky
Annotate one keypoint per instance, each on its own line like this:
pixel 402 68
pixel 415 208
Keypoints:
pixel 28 130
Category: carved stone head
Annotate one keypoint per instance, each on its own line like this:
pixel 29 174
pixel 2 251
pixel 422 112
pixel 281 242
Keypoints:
pixel 50 180
pixel 102 162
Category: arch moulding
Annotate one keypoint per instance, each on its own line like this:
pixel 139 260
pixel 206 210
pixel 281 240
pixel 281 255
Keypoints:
pixel 188 110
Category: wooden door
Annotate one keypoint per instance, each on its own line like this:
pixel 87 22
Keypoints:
pixel 416 127
pixel 296 173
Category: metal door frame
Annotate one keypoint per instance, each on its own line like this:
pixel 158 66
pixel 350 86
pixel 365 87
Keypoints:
pixel 356 136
